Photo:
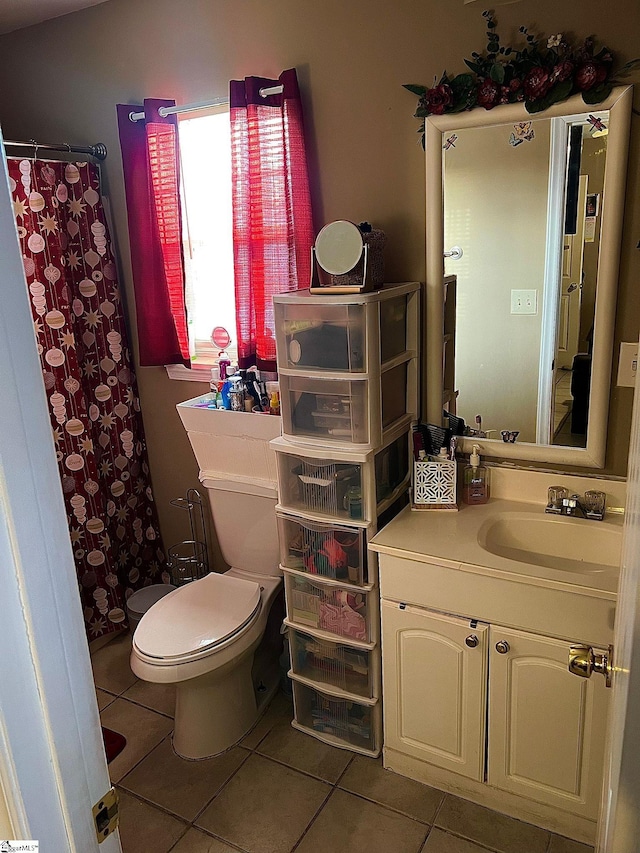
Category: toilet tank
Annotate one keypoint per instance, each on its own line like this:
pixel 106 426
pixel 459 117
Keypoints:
pixel 245 522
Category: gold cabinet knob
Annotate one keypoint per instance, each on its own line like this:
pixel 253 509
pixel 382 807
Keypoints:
pixel 472 641
pixel 502 647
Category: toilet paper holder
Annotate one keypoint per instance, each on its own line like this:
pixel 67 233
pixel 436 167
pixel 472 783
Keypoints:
pixel 189 560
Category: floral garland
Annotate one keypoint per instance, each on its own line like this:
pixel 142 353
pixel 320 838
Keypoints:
pixel 536 74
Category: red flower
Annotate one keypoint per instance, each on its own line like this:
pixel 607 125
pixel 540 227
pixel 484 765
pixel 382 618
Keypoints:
pixel 515 85
pixel 488 93
pixel 436 100
pixel 561 72
pixel 590 74
pixel 536 84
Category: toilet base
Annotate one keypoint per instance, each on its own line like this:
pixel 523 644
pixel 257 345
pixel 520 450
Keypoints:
pixel 214 711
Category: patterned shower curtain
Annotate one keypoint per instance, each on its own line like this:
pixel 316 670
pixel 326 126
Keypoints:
pixel 90 385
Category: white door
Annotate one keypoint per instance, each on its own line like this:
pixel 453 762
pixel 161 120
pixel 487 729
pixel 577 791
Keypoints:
pixel 546 726
pixel 52 762
pixel 434 687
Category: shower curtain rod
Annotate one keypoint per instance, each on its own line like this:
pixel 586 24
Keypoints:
pixel 202 105
pixel 99 150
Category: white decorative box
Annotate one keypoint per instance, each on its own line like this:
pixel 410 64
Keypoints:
pixel 434 485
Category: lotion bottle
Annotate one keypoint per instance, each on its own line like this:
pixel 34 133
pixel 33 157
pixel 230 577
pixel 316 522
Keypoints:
pixel 475 488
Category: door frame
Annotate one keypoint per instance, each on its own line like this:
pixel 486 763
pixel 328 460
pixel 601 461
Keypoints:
pixel 52 761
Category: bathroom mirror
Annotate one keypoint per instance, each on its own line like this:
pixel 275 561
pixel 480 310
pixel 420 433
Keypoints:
pixel 536 204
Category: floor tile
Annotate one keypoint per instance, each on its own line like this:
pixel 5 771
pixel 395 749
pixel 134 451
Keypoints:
pixel 566 845
pixel 157 697
pixel 265 808
pixel 490 828
pixel 305 753
pixel 280 709
pixel 367 777
pixel 111 669
pixel 197 842
pixel 441 842
pixel 142 728
pixel 104 699
pixel 183 787
pixel 349 824
pixel 144 829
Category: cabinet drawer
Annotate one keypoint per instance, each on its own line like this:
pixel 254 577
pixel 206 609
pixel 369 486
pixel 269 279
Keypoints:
pixel 330 486
pixel 328 410
pixel 333 551
pixel 332 664
pixel 340 722
pixel 316 336
pixel 335 609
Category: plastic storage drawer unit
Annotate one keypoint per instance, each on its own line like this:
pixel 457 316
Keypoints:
pixel 341 722
pixel 332 664
pixel 332 551
pixel 335 609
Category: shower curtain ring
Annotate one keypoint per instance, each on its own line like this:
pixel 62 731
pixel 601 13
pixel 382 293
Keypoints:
pixel 35 148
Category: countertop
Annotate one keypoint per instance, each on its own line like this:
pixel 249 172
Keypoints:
pixel 453 539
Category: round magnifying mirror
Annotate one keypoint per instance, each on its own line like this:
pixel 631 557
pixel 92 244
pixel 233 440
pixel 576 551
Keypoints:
pixel 220 337
pixel 339 247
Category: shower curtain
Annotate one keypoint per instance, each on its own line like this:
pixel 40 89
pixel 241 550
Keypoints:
pixel 90 385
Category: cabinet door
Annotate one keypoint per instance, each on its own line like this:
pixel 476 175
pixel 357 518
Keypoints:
pixel 546 726
pixel 434 687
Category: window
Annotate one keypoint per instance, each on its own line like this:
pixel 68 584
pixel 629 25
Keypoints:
pixel 205 153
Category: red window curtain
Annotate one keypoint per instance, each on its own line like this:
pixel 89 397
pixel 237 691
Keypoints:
pixel 272 227
pixel 150 159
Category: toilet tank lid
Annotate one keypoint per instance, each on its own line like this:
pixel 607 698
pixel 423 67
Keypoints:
pixel 243 485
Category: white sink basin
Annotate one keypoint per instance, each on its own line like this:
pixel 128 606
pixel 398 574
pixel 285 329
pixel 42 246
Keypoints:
pixel 555 542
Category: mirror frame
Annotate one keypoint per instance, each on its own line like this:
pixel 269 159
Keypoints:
pixel 619 104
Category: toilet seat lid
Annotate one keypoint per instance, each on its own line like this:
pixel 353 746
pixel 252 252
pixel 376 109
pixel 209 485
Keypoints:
pixel 197 616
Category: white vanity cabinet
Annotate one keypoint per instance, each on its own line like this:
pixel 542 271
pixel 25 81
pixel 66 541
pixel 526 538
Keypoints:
pixel 546 727
pixel 495 705
pixel 435 687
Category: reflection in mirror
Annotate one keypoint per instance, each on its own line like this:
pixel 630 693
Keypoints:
pixel 536 204
pixel 527 279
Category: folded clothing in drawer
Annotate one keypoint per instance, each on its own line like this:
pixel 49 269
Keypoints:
pixel 338 610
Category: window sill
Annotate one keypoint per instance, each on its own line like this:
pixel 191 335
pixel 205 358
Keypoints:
pixel 198 373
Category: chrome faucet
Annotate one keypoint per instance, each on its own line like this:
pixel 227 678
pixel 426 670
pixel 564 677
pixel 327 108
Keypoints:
pixel 560 502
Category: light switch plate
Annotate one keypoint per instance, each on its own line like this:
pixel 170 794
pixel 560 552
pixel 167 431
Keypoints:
pixel 524 301
pixel 628 365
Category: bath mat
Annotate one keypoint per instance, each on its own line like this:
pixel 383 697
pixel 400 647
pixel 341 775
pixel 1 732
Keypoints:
pixel 113 743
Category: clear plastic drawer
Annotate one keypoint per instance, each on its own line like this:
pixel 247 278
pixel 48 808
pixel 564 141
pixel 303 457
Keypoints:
pixel 332 551
pixel 325 409
pixel 391 467
pixel 393 327
pixel 342 722
pixel 321 337
pixel 339 610
pixel 394 394
pixel 334 664
pixel 325 486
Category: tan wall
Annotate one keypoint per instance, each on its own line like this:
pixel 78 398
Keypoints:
pixel 503 235
pixel 62 79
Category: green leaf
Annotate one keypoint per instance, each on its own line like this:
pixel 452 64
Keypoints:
pixel 559 92
pixel 421 112
pixel 536 106
pixel 628 68
pixel 598 94
pixel 497 72
pixel 477 69
pixel 417 90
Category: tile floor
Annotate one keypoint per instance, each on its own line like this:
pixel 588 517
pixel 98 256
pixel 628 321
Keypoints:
pixel 279 790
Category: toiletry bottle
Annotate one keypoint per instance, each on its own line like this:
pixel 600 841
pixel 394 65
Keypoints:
pixel 223 365
pixel 475 488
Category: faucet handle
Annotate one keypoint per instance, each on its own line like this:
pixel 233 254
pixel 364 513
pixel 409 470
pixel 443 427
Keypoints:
pixel 595 504
pixel 555 495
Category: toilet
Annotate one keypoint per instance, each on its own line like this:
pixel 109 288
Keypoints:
pixel 218 639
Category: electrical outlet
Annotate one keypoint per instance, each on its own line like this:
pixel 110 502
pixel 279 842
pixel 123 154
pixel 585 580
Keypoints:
pixel 524 301
pixel 628 365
